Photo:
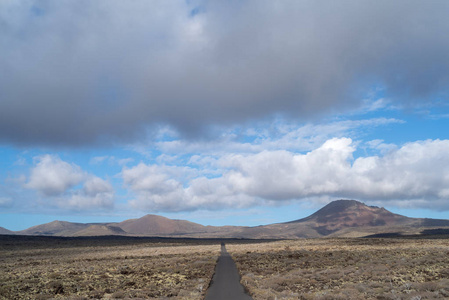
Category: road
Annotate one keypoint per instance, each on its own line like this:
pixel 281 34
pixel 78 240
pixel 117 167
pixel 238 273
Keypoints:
pixel 226 281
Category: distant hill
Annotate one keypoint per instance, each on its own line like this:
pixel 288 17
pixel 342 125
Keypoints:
pixel 100 230
pixel 55 228
pixel 345 218
pixel 153 225
pixel 351 218
pixel 341 218
pixel 5 231
pixel 341 214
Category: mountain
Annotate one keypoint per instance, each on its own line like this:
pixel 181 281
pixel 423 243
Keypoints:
pixel 351 218
pixel 342 214
pixel 55 228
pixel 5 231
pixel 345 218
pixel 341 218
pixel 153 225
pixel 100 230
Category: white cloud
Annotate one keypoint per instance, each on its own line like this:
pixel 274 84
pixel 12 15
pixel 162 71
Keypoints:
pixel 52 176
pixel 417 172
pixel 96 193
pixel 95 185
pixel 245 180
pixel 161 188
pixel 67 186
pixel 278 135
pixel 155 186
pixel 154 178
pixel 283 175
pixel 80 202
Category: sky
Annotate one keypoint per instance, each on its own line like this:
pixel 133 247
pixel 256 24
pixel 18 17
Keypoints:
pixel 221 113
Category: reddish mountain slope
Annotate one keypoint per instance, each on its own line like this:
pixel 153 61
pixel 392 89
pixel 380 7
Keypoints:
pixel 342 214
pixel 56 228
pixel 339 218
pixel 99 230
pixel 5 231
pixel 158 225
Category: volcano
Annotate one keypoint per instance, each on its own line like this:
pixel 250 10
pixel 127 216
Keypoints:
pixel 340 218
pixel 342 214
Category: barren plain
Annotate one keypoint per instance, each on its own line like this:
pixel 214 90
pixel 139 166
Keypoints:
pixel 108 268
pixel 345 268
pixel 122 268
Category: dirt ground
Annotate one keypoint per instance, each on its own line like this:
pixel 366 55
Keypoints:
pixel 345 269
pixel 115 268
pixel 108 269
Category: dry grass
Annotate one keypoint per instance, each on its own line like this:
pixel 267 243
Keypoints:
pixel 123 270
pixel 345 269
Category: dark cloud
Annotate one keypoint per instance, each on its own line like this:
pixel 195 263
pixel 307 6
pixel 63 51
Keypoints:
pixel 85 72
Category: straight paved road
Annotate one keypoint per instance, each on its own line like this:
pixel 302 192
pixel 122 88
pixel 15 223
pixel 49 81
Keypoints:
pixel 226 281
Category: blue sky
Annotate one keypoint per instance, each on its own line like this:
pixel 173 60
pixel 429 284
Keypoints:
pixel 244 113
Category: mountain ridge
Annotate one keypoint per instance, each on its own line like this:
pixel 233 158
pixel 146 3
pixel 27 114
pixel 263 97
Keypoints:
pixel 341 214
pixel 339 218
pixel 155 224
pixel 5 231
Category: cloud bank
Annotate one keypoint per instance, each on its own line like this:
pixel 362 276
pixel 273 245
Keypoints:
pixel 66 186
pixel 417 172
pixel 88 72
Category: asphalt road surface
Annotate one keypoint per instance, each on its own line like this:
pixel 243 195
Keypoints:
pixel 226 281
